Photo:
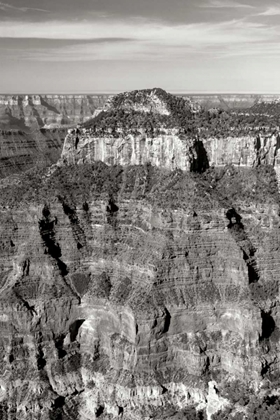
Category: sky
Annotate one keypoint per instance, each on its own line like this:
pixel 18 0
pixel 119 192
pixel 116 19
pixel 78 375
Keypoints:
pixel 86 46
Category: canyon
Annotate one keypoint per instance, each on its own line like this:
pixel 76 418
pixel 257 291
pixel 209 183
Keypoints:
pixel 36 123
pixel 139 267
pixel 22 150
pixel 33 127
pixel 52 111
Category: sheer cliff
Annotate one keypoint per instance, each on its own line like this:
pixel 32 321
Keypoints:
pixel 141 280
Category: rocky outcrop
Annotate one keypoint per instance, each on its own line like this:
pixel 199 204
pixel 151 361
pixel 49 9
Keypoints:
pixel 139 102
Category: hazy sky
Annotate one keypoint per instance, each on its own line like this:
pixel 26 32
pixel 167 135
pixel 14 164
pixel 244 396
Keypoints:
pixel 114 45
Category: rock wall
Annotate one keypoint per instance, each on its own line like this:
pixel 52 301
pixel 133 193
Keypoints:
pixel 131 304
pixel 22 150
pixel 243 151
pixel 171 150
pixel 46 110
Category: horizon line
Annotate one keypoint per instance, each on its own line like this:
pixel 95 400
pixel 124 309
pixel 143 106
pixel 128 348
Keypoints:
pixel 115 92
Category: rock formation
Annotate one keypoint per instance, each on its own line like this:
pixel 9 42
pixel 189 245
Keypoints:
pixel 48 110
pixel 56 110
pixel 142 287
pixel 171 146
pixel 168 150
pixel 21 150
pixel 32 127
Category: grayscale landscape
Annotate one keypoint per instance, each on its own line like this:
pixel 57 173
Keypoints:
pixel 139 210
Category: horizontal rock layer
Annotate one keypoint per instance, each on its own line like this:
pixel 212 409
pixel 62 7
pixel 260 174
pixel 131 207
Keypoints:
pixel 47 110
pixel 171 150
pixel 135 291
pixel 22 150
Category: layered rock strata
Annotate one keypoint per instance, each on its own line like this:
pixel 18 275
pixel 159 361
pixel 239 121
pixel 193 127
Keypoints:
pixel 22 150
pixel 167 136
pixel 140 278
pixel 57 110
pixel 48 110
pixel 171 150
pixel 143 293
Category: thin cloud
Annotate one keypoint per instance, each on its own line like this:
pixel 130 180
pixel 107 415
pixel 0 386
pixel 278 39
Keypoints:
pixel 271 11
pixel 220 4
pixel 7 7
pixel 136 40
pixel 234 31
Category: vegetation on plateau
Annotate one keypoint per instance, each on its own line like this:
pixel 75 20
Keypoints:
pixel 124 115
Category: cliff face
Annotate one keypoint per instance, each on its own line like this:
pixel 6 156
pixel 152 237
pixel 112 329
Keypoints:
pixel 48 110
pixel 22 150
pixel 169 150
pixel 244 150
pixel 140 275
pixel 135 293
pixel 123 133
pixel 32 127
pixel 154 127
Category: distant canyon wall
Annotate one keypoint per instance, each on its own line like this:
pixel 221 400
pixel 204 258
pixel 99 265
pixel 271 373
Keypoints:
pixel 232 101
pixel 45 110
pixel 21 151
pixel 32 127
